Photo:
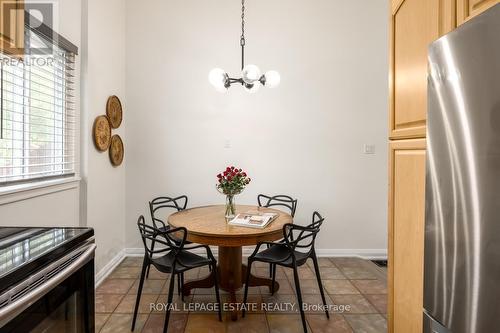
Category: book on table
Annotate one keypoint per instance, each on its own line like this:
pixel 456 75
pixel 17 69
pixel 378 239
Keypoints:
pixel 257 220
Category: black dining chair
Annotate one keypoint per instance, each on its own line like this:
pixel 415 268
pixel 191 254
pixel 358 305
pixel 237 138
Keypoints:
pixel 166 203
pixel 280 200
pixel 173 258
pixel 294 251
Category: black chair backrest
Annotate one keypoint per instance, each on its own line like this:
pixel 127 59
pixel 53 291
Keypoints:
pixel 302 238
pixel 166 238
pixel 178 203
pixel 278 200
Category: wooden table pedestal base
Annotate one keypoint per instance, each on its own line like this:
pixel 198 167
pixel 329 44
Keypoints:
pixel 231 276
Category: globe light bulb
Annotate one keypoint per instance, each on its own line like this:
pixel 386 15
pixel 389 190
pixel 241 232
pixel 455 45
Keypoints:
pixel 250 74
pixel 272 79
pixel 252 88
pixel 217 78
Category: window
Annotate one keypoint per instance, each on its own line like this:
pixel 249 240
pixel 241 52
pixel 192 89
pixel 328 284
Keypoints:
pixel 38 120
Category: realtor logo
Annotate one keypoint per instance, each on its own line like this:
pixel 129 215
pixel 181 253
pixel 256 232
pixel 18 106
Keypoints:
pixel 22 23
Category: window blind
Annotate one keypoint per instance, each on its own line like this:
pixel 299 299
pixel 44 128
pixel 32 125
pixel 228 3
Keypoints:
pixel 37 138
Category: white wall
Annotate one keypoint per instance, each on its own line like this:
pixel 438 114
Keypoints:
pixel 304 138
pixel 103 71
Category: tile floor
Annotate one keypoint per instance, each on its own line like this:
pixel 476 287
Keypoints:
pixel 357 286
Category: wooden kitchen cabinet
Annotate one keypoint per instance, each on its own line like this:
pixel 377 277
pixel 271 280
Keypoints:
pixel 12 27
pixel 414 25
pixel 406 235
pixel 467 9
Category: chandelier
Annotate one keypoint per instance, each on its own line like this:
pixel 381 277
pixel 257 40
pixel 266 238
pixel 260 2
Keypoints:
pixel 251 77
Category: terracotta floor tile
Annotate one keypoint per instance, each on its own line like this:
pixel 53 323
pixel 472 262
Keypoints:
pixel 321 324
pixel 279 323
pixel 123 322
pixel 155 322
pixel 166 285
pixel 100 320
pixel 356 303
pixel 358 273
pixel 371 323
pixel 207 323
pixel 308 287
pixel 149 287
pixel 304 273
pixel 252 323
pixel 146 305
pixel 115 286
pixel 339 287
pixel 322 262
pixel 282 309
pixel 371 286
pixel 191 274
pixel 379 301
pixel 132 261
pixel 331 273
pixel 285 288
pixel 106 303
pixel 156 274
pixel 342 262
pixel 131 272
pixel 264 272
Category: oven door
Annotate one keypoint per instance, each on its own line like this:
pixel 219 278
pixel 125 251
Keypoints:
pixel 59 298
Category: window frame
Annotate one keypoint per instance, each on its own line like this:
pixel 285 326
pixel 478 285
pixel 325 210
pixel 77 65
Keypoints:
pixel 49 183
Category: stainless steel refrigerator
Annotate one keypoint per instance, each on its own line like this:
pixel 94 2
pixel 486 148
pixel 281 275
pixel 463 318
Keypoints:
pixel 462 230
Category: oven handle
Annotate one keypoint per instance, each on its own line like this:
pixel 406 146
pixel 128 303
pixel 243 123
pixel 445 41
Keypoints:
pixel 10 311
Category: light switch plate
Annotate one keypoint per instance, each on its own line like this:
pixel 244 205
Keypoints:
pixel 369 149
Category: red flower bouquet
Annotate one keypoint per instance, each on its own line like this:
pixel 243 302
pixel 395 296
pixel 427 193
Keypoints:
pixel 231 182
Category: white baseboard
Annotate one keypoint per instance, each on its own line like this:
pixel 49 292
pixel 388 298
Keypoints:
pixel 109 267
pixel 369 254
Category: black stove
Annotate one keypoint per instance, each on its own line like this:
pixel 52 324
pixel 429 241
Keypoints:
pixel 44 271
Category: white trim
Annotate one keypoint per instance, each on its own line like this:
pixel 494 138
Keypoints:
pixel 370 254
pixel 109 267
pixel 19 192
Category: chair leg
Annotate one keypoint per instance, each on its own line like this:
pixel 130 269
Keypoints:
pixel 217 296
pixel 179 284
pixel 145 264
pixel 299 297
pixel 152 249
pixel 182 285
pixel 271 270
pixel 273 277
pixel 320 285
pixel 169 302
pixel 247 280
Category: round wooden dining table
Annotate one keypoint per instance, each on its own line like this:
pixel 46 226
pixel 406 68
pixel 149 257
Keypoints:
pixel 207 225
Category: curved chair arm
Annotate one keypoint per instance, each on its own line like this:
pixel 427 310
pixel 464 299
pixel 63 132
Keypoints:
pixel 175 243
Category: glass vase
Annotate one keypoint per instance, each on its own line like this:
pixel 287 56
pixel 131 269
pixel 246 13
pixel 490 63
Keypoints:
pixel 230 206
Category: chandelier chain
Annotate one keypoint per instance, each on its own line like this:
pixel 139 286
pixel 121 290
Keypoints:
pixel 242 38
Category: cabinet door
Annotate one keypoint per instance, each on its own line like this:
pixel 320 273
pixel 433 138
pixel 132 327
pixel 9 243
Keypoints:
pixel 406 235
pixel 12 27
pixel 414 25
pixel 467 9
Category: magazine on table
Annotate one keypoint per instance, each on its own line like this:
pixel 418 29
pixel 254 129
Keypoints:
pixel 257 220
